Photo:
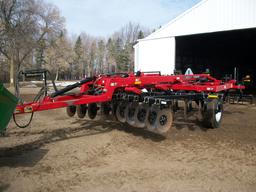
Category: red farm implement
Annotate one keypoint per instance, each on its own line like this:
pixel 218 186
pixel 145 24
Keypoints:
pixel 143 99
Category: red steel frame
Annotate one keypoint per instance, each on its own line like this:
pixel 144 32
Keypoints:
pixel 132 83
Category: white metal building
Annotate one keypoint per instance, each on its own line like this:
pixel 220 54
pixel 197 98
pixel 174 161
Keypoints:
pixel 214 34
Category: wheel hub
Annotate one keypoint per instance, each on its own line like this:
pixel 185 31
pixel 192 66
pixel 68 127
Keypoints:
pixel 142 115
pixel 163 119
pixel 152 117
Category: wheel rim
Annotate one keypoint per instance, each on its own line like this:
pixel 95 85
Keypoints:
pixel 163 120
pixel 81 111
pixel 151 118
pixel 212 113
pixel 218 116
pixel 120 112
pixel 71 110
pixel 140 115
pixel 218 113
pixel 130 113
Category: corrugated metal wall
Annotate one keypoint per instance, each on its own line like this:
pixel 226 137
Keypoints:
pixel 158 52
pixel 211 16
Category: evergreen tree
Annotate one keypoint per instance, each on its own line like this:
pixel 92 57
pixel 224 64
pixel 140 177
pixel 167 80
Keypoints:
pixel 118 46
pixel 101 55
pixel 140 35
pixel 79 67
pixel 123 60
pixel 111 62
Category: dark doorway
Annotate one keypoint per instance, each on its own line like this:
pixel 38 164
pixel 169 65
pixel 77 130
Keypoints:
pixel 220 52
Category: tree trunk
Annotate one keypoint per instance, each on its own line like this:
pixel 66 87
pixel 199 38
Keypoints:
pixel 57 74
pixel 11 72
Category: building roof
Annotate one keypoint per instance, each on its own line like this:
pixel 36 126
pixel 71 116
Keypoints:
pixel 210 16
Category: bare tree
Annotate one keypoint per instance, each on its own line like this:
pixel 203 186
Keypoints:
pixel 59 57
pixel 23 24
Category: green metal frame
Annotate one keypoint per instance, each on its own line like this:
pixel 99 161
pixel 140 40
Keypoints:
pixel 8 103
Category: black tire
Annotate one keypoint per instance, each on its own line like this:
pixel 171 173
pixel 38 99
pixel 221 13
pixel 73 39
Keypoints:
pixel 120 112
pixel 130 113
pixel 71 110
pixel 92 110
pixel 212 113
pixel 81 111
pixel 140 115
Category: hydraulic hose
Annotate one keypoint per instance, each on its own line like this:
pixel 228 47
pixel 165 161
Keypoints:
pixel 36 98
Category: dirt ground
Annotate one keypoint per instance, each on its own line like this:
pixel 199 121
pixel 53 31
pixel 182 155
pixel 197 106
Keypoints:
pixel 57 153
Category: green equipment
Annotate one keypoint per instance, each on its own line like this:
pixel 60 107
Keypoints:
pixel 8 103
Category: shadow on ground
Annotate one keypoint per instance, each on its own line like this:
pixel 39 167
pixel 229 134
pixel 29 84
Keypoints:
pixel 28 159
pixel 4 187
pixel 51 136
pixel 84 128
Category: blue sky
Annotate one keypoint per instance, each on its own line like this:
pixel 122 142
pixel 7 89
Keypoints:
pixel 103 17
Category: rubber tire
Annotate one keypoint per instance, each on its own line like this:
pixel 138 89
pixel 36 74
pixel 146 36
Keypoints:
pixel 81 111
pixel 71 110
pixel 209 112
pixel 92 110
pixel 120 112
pixel 140 123
pixel 130 119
